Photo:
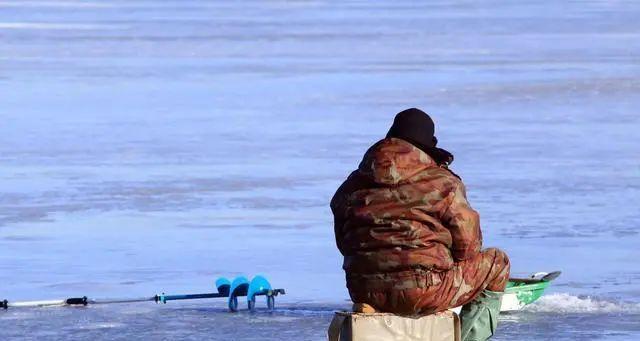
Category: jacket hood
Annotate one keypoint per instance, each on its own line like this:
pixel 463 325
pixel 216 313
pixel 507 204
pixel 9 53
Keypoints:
pixel 393 161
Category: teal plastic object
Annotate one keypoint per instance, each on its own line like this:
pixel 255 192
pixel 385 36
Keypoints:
pixel 259 286
pixel 529 290
pixel 239 287
pixel 526 293
pixel 223 285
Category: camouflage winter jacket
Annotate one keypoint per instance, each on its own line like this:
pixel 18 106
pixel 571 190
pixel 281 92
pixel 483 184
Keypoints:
pixel 400 213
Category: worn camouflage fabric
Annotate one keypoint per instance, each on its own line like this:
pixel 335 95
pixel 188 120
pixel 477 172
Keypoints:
pixel 433 291
pixel 406 230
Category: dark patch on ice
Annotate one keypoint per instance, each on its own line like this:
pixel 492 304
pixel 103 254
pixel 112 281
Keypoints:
pixel 270 202
pixel 25 238
pixel 579 285
pixel 150 196
pixel 284 226
pixel 131 282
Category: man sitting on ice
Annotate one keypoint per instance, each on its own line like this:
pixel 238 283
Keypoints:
pixel 411 242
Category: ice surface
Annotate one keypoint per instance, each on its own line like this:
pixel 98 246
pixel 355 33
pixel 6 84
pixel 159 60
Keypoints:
pixel 152 146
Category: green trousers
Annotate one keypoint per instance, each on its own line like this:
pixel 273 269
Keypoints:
pixel 479 318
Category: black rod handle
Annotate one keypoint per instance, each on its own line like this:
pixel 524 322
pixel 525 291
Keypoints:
pixel 77 301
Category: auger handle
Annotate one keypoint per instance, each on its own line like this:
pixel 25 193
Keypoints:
pixel 77 301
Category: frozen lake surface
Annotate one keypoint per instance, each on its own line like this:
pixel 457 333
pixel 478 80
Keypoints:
pixel 152 146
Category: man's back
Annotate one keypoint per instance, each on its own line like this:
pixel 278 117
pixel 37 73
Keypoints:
pixel 401 211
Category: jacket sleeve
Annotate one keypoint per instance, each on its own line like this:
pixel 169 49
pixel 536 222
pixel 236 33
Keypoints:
pixel 339 208
pixel 464 224
pixel 340 205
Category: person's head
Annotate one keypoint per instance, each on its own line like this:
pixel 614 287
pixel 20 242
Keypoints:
pixel 416 127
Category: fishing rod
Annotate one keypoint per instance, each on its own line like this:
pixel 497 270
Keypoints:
pixel 239 287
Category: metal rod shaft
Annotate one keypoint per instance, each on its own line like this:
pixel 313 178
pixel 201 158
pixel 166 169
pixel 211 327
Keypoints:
pixel 122 300
pixel 164 298
pixel 157 298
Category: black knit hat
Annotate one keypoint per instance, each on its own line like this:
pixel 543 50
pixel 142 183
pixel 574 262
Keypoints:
pixel 414 126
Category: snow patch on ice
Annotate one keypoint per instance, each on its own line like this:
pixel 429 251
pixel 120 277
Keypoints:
pixel 56 26
pixel 306 312
pixel 72 4
pixel 566 303
pixel 104 325
pixel 272 319
pixel 19 315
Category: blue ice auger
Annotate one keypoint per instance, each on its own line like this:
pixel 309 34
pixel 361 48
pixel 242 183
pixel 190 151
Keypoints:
pixel 241 286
